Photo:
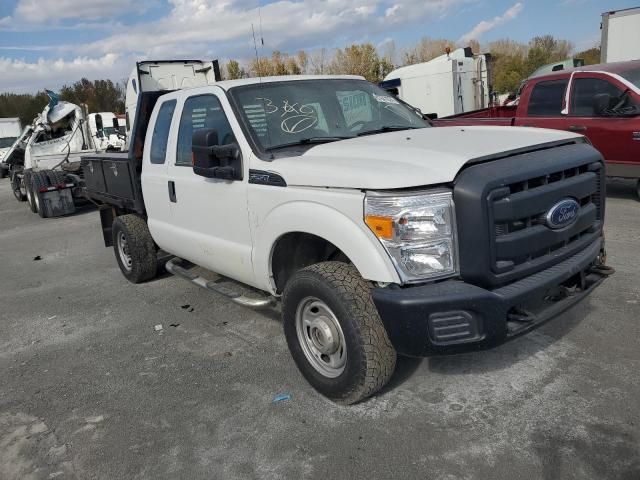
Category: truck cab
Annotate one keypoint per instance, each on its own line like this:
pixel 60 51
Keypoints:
pixel 601 102
pixel 378 234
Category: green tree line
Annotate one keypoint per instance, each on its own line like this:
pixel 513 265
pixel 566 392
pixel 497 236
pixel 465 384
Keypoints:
pixel 512 62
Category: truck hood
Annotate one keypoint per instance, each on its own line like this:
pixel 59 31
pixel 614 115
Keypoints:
pixel 407 158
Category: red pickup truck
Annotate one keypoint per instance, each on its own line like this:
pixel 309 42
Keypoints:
pixel 599 101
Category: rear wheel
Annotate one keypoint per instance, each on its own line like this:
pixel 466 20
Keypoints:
pixel 134 248
pixel 40 180
pixel 27 179
pixel 335 334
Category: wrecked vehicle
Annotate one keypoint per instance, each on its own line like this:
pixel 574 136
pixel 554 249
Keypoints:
pixel 378 234
pixel 44 162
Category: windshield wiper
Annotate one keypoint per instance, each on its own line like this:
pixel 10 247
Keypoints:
pixel 307 141
pixel 387 128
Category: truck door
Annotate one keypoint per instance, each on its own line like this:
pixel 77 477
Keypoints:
pixel 154 173
pixel 612 135
pixel 210 217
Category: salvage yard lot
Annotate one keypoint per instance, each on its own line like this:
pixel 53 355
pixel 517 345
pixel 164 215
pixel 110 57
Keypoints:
pixel 88 388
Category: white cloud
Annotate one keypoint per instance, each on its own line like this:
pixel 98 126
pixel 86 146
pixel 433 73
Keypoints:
pixel 47 11
pixel 209 29
pixel 487 25
pixel 21 76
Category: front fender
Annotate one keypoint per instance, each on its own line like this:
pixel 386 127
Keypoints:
pixel 351 236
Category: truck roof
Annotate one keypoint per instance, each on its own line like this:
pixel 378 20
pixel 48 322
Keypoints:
pixel 614 67
pixel 228 84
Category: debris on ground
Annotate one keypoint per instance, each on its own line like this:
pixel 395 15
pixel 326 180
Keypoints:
pixel 281 397
pixel 185 306
pixel 36 258
pixel 158 327
pixel 174 325
pixel 228 354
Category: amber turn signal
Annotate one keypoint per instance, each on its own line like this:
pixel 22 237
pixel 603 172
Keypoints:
pixel 382 227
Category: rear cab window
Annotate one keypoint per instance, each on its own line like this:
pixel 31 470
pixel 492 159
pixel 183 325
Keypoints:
pixel 547 98
pixel 160 138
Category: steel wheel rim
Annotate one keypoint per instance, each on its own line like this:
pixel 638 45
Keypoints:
pixel 321 338
pixel 123 251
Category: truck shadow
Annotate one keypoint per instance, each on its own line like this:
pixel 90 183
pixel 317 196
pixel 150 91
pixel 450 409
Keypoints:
pixel 621 188
pixel 533 344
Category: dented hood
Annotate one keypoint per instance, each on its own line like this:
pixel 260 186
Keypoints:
pixel 407 158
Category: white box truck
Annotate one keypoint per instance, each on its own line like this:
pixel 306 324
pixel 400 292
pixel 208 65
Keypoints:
pixel 9 130
pixel 620 35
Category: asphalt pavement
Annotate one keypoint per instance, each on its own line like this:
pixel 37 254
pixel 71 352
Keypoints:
pixel 89 389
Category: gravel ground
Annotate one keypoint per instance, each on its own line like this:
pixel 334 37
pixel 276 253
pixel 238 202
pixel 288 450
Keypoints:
pixel 88 388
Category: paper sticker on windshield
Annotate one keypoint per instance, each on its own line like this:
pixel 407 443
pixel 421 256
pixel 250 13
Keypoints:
pixel 385 99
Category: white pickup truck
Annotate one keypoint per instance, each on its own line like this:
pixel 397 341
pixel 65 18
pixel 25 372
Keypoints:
pixel 377 233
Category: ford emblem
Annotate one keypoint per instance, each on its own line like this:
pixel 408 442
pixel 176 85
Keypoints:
pixel 563 213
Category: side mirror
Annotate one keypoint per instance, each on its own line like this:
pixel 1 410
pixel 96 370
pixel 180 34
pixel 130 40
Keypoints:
pixel 430 116
pixel 211 160
pixel 601 102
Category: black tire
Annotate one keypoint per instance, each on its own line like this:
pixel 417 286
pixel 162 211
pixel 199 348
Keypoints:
pixel 370 357
pixel 638 189
pixel 16 182
pixel 137 257
pixel 29 189
pixel 40 180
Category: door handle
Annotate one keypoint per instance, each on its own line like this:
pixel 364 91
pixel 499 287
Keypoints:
pixel 172 191
pixel 577 128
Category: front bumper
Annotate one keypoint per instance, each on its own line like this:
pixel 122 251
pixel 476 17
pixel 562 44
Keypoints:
pixel 454 316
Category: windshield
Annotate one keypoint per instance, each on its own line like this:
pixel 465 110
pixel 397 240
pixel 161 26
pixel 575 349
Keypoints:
pixel 280 114
pixel 632 76
pixel 109 131
pixel 6 142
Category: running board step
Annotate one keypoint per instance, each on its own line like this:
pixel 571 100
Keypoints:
pixel 184 269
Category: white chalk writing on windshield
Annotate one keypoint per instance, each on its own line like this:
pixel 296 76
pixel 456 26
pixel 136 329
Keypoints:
pixel 296 117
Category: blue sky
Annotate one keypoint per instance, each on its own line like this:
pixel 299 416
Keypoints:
pixel 46 43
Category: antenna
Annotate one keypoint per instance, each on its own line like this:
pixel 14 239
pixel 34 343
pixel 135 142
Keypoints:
pixel 259 65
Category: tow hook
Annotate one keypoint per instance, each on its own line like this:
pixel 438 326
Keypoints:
pixel 599 266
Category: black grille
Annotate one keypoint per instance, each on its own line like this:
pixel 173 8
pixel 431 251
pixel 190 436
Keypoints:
pixel 501 208
pixel 519 214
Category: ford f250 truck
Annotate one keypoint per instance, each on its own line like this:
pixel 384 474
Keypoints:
pixel 379 235
pixel 601 102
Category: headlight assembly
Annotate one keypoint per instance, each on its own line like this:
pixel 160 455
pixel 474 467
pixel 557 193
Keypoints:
pixel 418 231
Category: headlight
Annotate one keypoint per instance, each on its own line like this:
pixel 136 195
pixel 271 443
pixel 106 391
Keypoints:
pixel 418 231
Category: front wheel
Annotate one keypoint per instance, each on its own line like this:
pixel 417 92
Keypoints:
pixel 335 334
pixel 134 248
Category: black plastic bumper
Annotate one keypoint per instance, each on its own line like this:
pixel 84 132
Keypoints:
pixel 453 316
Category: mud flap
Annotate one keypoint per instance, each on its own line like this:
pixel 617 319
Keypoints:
pixel 58 202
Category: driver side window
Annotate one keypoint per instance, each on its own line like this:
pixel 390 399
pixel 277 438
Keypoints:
pixel 202 111
pixel 584 91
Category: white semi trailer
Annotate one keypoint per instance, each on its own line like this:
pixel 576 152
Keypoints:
pixel 620 35
pixel 453 83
